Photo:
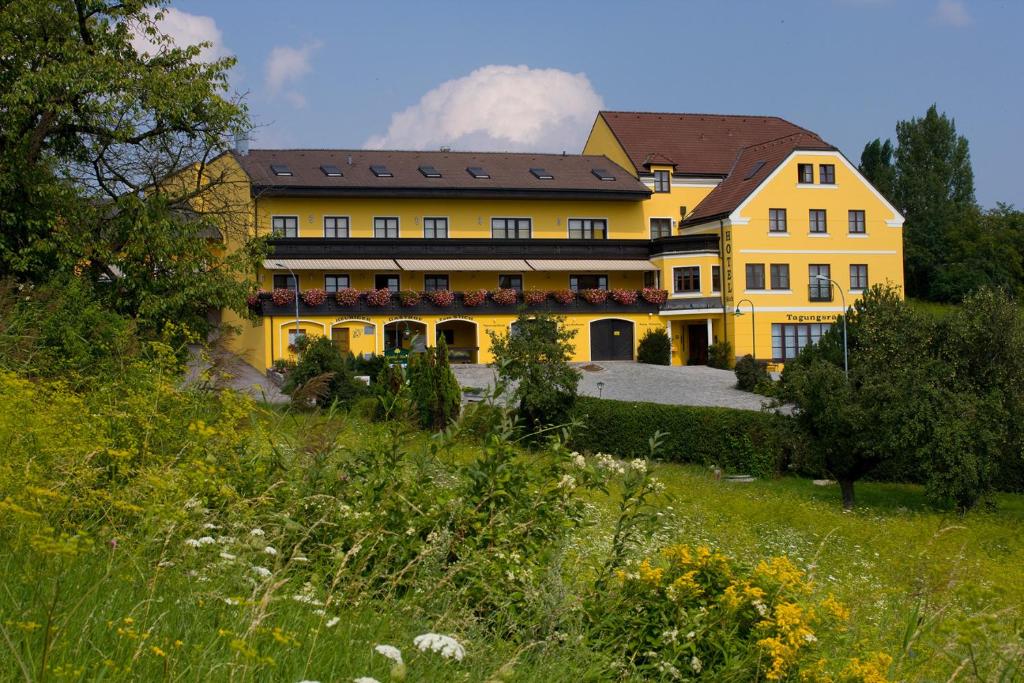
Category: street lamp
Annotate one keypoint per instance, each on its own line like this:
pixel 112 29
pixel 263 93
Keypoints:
pixel 295 279
pixel 846 355
pixel 753 329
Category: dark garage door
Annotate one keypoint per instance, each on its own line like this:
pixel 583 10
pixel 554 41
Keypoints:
pixel 611 340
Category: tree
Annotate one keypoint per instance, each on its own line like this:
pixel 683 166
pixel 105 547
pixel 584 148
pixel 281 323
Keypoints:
pixel 877 166
pixel 107 154
pixel 322 374
pixel 655 348
pixel 535 355
pixel 433 387
pixel 934 190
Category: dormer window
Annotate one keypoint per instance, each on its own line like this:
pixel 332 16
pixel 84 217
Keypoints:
pixel 602 174
pixel 661 181
pixel 331 171
pixel 430 172
pixel 541 174
pixel 281 169
pixel 381 171
pixel 805 174
pixel 477 172
pixel 754 169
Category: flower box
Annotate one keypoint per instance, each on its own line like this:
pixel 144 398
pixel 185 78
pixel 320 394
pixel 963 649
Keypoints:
pixel 654 296
pixel 409 297
pixel 535 297
pixel 378 297
pixel 442 298
pixel 564 296
pixel 505 297
pixel 594 296
pixel 626 297
pixel 282 296
pixel 474 297
pixel 347 296
pixel 314 297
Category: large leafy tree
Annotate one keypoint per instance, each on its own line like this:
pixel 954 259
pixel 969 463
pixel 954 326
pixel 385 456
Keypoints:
pixel 877 166
pixel 94 136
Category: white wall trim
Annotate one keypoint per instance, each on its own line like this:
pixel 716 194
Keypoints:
pixel 695 311
pixel 590 334
pixel 891 252
pixel 817 186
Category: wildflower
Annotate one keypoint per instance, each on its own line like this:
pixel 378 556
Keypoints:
pixel 210 526
pixel 568 482
pixel 391 652
pixel 638 465
pixel 262 571
pixel 332 622
pixel 256 532
pixel 578 460
pixel 227 556
pixel 447 646
pixel 192 543
pixel 361 679
pixel 207 540
pixel 411 531
pixel 696 664
pixel 157 651
pixel 270 550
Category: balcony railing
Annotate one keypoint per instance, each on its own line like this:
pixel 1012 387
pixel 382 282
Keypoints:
pixel 265 306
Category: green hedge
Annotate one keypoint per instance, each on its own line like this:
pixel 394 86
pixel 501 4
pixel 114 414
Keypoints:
pixel 736 440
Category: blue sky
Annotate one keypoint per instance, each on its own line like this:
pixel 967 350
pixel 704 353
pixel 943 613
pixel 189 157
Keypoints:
pixel 531 75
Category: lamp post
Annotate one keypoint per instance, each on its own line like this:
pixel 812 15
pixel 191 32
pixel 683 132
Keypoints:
pixel 753 329
pixel 846 355
pixel 295 279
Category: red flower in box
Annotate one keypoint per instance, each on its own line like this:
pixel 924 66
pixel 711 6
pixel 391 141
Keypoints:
pixel 474 297
pixel 378 297
pixel 535 297
pixel 594 296
pixel 564 296
pixel 654 296
pixel 314 297
pixel 253 300
pixel 409 297
pixel 441 297
pixel 624 296
pixel 505 297
pixel 347 296
pixel 282 296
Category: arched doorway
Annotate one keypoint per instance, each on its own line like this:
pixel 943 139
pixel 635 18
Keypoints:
pixel 461 338
pixel 611 339
pixel 403 336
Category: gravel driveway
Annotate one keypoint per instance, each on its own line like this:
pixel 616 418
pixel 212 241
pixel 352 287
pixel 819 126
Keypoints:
pixel 692 385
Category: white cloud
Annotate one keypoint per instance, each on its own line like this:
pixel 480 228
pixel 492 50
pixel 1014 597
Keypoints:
pixel 952 13
pixel 184 29
pixel 498 108
pixel 285 65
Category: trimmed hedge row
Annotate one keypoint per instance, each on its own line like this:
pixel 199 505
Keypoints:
pixel 736 440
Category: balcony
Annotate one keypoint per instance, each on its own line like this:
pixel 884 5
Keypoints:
pixel 458 308
pixel 420 248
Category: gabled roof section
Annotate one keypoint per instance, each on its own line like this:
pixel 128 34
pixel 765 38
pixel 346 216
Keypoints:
pixel 656 159
pixel 697 144
pixel 751 167
pixel 507 174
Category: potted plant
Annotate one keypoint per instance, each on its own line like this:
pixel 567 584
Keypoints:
pixel 474 297
pixel 535 297
pixel 564 296
pixel 505 297
pixel 347 296
pixel 441 298
pixel 654 296
pixel 378 297
pixel 409 297
pixel 626 297
pixel 314 297
pixel 282 296
pixel 594 296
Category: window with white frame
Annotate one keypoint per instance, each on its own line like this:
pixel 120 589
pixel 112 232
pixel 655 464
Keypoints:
pixel 385 227
pixel 661 227
pixel 435 228
pixel 511 228
pixel 686 280
pixel 336 227
pixel 588 228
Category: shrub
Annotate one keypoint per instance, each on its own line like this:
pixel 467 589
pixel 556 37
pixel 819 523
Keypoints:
pixel 347 296
pixel 433 389
pixel 719 355
pixel 564 296
pixel 282 296
pixel 441 298
pixel 654 296
pixel 314 297
pixel 655 348
pixel 474 297
pixel 750 373
pixel 391 391
pixel 737 440
pixel 505 297
pixel 594 296
pixel 626 297
pixel 409 297
pixel 378 297
pixel 321 374
pixel 535 297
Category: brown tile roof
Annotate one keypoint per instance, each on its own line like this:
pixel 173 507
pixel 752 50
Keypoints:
pixel 698 144
pixel 749 169
pixel 510 174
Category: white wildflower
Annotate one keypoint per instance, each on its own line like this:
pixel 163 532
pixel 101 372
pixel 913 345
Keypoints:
pixel 257 532
pixel 578 460
pixel 270 550
pixel 391 652
pixel 226 540
pixel 696 665
pixel 810 637
pixel 191 542
pixel 446 646
pixel 210 526
pixel 207 540
pixel 670 636
pixel 233 601
pixel 332 622
pixel 362 679
pixel 262 571
pixel 320 612
pixel 568 482
pixel 411 531
pixel 690 635
pixel 227 556
pixel 761 608
pixel 638 465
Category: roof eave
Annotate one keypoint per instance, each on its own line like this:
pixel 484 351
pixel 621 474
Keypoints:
pixel 266 190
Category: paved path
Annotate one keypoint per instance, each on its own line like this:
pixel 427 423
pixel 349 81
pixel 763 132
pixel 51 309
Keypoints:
pixel 694 385
pixel 228 370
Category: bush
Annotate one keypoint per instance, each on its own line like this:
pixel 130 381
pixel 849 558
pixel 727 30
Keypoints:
pixel 321 374
pixel 391 391
pixel 750 373
pixel 736 440
pixel 719 355
pixel 655 348
pixel 434 391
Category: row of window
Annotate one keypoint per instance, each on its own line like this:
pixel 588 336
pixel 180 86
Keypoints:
pixel 826 174
pixel 337 227
pixel 686 279
pixel 437 281
pixel 817 221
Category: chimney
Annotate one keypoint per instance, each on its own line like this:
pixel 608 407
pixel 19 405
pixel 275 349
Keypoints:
pixel 242 144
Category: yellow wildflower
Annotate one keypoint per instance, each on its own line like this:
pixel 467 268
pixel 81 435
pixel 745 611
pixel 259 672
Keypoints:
pixel 835 608
pixel 872 670
pixel 157 651
pixel 649 574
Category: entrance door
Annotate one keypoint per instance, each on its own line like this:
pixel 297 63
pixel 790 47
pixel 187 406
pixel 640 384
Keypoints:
pixel 697 338
pixel 339 335
pixel 611 340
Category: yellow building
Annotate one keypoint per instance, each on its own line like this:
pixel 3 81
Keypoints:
pixel 392 249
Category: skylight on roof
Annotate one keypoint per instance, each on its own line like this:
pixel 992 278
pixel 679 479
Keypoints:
pixel 542 174
pixel 331 171
pixel 477 172
pixel 754 170
pixel 430 172
pixel 280 169
pixel 381 171
pixel 602 174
